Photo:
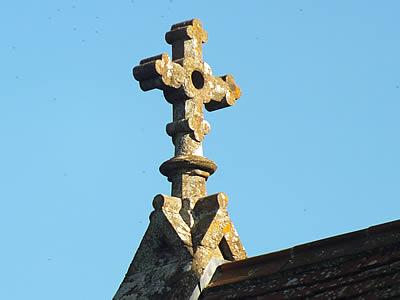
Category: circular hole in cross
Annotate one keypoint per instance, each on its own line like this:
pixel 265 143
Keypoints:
pixel 197 79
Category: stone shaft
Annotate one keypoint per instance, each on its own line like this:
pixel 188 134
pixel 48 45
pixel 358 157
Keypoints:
pixel 188 84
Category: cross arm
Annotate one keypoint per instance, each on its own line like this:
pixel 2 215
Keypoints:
pixel 158 72
pixel 223 93
pixel 186 39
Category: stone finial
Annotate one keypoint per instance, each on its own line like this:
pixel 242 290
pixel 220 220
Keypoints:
pixel 189 232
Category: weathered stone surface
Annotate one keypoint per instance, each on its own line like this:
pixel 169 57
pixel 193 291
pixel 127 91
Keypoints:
pixel 190 233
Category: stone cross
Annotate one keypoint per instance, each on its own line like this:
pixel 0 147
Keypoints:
pixel 189 233
pixel 188 84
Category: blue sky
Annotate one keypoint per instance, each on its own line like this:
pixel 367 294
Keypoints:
pixel 310 150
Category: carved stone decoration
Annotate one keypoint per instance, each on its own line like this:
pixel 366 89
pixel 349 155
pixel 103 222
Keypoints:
pixel 189 233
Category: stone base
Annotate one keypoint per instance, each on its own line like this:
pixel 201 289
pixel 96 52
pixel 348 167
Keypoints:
pixel 175 258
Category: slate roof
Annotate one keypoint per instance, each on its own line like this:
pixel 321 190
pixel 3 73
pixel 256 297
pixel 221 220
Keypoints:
pixel 364 264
